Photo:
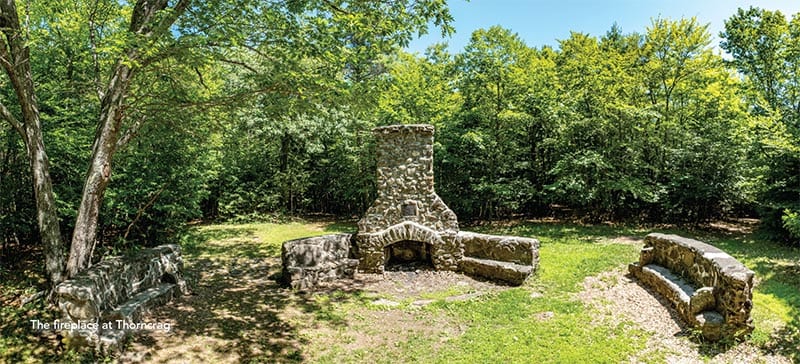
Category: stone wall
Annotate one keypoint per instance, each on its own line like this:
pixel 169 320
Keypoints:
pixel 309 261
pixel 405 182
pixel 728 280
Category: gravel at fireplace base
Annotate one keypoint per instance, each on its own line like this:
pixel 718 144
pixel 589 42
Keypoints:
pixel 401 285
pixel 618 298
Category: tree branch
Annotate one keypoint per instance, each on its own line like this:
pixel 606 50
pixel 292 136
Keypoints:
pixel 5 56
pixel 131 132
pixel 13 121
pixel 239 63
pixel 141 210
pixel 336 8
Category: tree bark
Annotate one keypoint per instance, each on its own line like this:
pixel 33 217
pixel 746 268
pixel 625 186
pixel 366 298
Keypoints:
pixel 15 59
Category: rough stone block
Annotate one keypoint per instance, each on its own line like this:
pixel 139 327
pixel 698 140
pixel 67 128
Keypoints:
pixel 513 249
pixel 514 274
pixel 309 261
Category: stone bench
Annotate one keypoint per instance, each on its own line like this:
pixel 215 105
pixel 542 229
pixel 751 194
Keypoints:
pixel 511 259
pixel 120 289
pixel 711 290
pixel 309 261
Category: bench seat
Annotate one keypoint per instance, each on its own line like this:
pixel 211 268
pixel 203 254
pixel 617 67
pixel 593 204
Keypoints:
pixel 695 305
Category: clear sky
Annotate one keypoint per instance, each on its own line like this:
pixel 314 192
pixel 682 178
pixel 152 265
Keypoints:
pixel 541 22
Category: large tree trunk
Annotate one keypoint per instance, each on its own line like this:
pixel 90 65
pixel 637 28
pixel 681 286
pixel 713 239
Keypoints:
pixel 15 59
pixel 105 145
pixel 146 22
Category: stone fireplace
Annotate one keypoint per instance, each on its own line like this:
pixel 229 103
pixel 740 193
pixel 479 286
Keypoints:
pixel 407 208
pixel 407 223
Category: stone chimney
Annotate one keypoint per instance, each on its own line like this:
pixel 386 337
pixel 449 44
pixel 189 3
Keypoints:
pixel 405 182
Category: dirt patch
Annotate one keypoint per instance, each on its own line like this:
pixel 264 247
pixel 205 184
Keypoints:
pixel 739 226
pixel 238 313
pixel 414 284
pixel 618 298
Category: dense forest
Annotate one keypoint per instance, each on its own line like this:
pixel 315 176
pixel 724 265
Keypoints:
pixel 162 112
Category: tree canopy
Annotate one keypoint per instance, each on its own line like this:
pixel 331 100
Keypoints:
pixel 135 117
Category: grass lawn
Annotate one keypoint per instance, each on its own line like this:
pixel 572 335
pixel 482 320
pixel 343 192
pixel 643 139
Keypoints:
pixel 239 314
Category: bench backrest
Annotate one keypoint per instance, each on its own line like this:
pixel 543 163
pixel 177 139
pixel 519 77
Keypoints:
pixel 513 249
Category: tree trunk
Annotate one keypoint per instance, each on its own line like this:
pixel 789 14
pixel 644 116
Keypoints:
pixel 147 21
pixel 47 214
pixel 15 59
pixel 105 145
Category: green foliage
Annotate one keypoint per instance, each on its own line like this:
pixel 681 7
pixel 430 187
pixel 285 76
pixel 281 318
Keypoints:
pixel 270 115
pixel 17 208
pixel 317 162
pixel 190 143
pixel 765 49
pixel 791 222
pixel 627 126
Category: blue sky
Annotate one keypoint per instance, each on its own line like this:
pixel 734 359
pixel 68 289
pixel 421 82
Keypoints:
pixel 540 22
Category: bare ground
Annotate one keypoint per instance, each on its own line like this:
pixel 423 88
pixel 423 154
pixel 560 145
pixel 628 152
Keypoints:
pixel 238 313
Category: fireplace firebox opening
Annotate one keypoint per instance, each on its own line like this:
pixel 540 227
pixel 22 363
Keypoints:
pixel 408 255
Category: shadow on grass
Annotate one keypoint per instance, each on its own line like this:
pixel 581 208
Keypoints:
pixel 226 243
pixel 787 341
pixel 784 284
pixel 238 311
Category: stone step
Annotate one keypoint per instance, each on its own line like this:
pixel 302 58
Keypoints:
pixel 494 269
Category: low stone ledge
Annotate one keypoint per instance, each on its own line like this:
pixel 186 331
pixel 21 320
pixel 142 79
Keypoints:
pixel 512 249
pixel 310 261
pixel 514 274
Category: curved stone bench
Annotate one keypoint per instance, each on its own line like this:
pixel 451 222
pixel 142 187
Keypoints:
pixel 309 261
pixel 120 289
pixel 710 289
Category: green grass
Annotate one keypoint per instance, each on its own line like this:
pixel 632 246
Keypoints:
pixel 255 240
pixel 509 327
